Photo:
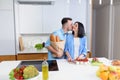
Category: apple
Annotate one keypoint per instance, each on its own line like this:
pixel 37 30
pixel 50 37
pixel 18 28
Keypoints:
pixel 113 76
pixel 118 72
pixel 103 68
pixel 113 68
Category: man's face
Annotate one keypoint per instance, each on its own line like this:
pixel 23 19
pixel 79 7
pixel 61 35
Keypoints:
pixel 69 25
pixel 75 27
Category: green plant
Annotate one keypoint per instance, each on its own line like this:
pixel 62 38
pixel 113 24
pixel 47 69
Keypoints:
pixel 38 46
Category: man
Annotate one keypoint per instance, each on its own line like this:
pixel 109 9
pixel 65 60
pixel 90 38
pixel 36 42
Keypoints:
pixel 66 26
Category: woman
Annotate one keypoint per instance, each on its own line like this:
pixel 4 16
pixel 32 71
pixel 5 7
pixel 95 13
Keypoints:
pixel 76 43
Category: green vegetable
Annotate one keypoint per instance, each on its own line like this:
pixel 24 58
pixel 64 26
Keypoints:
pixel 12 78
pixel 96 63
pixel 11 74
pixel 39 46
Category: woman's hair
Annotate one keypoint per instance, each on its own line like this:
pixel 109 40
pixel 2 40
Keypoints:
pixel 81 31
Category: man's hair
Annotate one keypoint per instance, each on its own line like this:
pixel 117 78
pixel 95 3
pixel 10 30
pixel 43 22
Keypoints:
pixel 65 20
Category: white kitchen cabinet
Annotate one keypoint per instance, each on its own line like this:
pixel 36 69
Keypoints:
pixel 41 18
pixel 52 15
pixel 47 18
pixel 7 31
pixel 6 4
pixel 30 19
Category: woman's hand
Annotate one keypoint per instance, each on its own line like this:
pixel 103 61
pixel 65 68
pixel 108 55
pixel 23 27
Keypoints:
pixel 80 57
pixel 69 58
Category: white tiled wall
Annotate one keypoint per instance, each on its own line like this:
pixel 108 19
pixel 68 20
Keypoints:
pixel 29 41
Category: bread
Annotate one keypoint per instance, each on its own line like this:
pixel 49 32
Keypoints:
pixel 57 44
pixel 57 39
pixel 52 38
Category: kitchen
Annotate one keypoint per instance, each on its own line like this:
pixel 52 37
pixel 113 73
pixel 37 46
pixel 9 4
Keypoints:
pixel 28 24
pixel 13 27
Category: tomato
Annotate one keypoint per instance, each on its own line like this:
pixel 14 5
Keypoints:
pixel 23 67
pixel 16 76
pixel 85 60
pixel 18 73
pixel 21 71
pixel 82 60
pixel 95 60
pixel 21 77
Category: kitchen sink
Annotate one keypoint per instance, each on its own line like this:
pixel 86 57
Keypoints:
pixel 38 64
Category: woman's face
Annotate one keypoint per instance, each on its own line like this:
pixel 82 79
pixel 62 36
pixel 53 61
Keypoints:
pixel 75 27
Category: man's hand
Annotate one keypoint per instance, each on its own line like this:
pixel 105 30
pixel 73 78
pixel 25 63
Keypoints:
pixel 69 59
pixel 55 53
pixel 59 54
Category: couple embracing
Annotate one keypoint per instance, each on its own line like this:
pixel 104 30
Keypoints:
pixel 75 46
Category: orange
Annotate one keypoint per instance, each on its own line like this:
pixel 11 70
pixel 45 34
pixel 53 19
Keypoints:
pixel 104 75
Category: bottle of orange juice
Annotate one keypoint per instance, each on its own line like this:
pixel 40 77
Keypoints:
pixel 45 67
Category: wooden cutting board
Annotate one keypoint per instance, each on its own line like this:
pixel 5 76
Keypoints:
pixel 21 45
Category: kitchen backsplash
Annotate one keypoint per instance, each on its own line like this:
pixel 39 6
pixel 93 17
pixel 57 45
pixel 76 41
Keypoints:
pixel 29 41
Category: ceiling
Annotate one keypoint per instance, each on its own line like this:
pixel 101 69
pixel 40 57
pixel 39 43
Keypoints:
pixel 104 2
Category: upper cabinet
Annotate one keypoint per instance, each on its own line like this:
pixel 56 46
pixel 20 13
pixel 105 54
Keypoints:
pixel 30 19
pixel 6 4
pixel 41 17
pixel 35 19
pixel 52 15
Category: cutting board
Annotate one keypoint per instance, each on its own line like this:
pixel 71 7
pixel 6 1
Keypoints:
pixel 21 45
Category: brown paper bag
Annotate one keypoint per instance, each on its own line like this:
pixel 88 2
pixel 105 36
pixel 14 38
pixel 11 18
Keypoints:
pixel 59 46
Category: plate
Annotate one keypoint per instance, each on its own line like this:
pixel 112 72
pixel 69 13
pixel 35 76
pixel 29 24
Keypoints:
pixel 17 73
pixel 34 78
pixel 79 62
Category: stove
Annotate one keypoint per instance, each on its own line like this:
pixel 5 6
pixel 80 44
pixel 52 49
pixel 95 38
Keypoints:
pixel 53 66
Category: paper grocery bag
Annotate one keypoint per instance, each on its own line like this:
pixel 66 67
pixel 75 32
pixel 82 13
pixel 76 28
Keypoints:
pixel 59 46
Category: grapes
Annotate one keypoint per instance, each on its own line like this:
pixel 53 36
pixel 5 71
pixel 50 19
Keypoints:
pixel 30 71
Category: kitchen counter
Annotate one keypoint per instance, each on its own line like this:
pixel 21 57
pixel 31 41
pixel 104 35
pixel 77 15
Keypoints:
pixel 67 71
pixel 33 50
pixel 32 54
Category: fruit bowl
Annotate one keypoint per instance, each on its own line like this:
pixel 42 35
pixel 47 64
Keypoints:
pixel 23 73
pixel 105 72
